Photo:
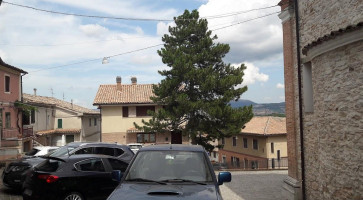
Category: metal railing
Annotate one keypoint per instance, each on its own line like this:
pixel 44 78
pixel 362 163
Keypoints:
pixel 8 133
pixel 253 164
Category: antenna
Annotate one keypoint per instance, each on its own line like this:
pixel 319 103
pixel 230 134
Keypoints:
pixel 51 91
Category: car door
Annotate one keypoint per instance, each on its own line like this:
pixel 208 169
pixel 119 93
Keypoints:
pixel 93 178
pixel 114 164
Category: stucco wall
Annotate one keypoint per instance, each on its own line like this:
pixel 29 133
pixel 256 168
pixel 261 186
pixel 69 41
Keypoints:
pixel 69 120
pixel 90 133
pixel 41 121
pixel 280 143
pixel 14 93
pixel 334 131
pixel 260 152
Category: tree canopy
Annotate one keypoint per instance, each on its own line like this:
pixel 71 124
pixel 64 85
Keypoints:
pixel 197 86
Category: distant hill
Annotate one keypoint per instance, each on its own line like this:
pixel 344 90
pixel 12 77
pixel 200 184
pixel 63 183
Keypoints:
pixel 276 109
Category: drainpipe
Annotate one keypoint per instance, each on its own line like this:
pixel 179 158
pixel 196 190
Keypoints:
pixel 300 100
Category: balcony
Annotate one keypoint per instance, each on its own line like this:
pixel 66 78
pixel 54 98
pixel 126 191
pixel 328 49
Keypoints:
pixel 27 131
pixel 13 133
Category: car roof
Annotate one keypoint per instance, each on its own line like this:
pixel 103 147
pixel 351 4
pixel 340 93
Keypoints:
pixel 82 156
pixel 103 144
pixel 173 147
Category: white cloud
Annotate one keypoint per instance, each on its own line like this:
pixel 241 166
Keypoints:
pixel 252 74
pixel 251 41
pixel 93 30
pixel 163 28
pixel 280 86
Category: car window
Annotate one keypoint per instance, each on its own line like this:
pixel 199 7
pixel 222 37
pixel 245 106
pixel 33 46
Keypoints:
pixel 87 150
pixel 119 152
pixel 105 151
pixel 117 164
pixel 94 164
pixel 61 151
pixel 49 165
pixel 165 165
pixel 51 150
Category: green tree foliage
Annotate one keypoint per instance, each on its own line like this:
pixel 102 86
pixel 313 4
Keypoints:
pixel 198 85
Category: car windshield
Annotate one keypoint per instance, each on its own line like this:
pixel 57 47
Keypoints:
pixel 32 152
pixel 61 151
pixel 170 166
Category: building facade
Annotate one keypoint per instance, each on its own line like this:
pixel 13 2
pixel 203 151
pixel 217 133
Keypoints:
pixel 261 144
pixel 121 106
pixel 323 48
pixel 56 122
pixel 11 130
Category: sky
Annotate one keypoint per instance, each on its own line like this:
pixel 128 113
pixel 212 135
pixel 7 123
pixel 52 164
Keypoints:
pixel 63 54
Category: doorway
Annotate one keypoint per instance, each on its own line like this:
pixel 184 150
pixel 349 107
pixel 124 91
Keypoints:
pixel 176 137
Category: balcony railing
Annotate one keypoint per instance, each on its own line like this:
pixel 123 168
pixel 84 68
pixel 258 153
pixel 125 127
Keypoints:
pixel 27 131
pixel 8 133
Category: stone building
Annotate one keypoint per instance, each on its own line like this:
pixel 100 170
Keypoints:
pixel 323 62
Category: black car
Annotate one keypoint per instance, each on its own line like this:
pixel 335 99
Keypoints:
pixel 76 177
pixel 14 174
pixel 170 172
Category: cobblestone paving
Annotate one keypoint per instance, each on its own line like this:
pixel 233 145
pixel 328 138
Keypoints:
pixel 254 185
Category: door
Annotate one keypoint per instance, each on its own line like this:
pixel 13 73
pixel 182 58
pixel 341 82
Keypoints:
pixel 176 137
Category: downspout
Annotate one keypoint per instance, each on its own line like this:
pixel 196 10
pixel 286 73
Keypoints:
pixel 100 123
pixel 301 125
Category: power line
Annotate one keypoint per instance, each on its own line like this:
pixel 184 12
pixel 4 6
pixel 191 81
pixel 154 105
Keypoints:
pixel 97 59
pixel 135 19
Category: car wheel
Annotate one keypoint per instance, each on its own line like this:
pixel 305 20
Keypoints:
pixel 74 196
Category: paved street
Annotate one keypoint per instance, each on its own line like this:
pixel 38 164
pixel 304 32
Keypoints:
pixel 254 185
pixel 245 185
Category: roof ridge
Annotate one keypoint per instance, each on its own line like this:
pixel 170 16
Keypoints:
pixel 267 123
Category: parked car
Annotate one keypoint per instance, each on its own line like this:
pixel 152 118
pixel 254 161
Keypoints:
pixel 40 151
pixel 76 177
pixel 14 174
pixel 135 147
pixel 170 172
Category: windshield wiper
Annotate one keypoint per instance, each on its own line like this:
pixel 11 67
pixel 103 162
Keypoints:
pixel 183 180
pixel 146 180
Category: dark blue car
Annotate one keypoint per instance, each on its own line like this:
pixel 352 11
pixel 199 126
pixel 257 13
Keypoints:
pixel 170 172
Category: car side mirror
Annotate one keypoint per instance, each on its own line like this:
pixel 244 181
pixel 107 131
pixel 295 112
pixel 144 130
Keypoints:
pixel 224 177
pixel 116 175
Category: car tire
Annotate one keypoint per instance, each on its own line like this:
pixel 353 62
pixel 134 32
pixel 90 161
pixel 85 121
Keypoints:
pixel 73 196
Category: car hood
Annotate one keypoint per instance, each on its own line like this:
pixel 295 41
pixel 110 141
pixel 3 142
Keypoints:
pixel 143 191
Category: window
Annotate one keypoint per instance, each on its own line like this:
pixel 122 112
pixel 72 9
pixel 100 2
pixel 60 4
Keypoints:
pixel 223 142
pixel 32 116
pixel 255 144
pixel 7 120
pixel 145 137
pixel 118 164
pixel 234 141
pixel 60 123
pixel 125 111
pixel 272 147
pixel 105 151
pixel 214 154
pixel 245 143
pixel 26 120
pixel 308 88
pixel 142 110
pixel 7 83
pixel 89 122
pixel 91 165
pixel 87 150
pixel 69 138
pixel 95 121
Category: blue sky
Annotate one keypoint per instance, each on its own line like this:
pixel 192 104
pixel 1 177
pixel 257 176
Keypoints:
pixel 36 41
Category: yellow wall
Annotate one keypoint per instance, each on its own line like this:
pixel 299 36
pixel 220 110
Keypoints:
pixel 260 152
pixel 69 121
pixel 280 143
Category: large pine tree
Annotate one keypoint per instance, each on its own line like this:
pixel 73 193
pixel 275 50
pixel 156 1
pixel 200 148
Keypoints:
pixel 198 87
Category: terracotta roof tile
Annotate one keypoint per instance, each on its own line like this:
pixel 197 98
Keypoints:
pixel 266 125
pixel 139 93
pixel 35 99
pixel 60 131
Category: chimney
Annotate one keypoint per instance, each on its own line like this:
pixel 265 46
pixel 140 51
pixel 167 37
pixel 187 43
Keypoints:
pixel 118 82
pixel 72 103
pixel 134 80
pixel 35 91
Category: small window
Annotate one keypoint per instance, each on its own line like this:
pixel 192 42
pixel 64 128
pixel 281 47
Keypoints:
pixel 118 164
pixel 32 116
pixel 245 143
pixel 95 121
pixel 69 138
pixel 272 147
pixel 234 141
pixel 145 137
pixel 105 151
pixel 60 123
pixel 142 110
pixel 214 154
pixel 255 144
pixel 223 141
pixel 87 150
pixel 125 111
pixel 89 122
pixel 7 120
pixel 91 165
pixel 308 88
pixel 7 83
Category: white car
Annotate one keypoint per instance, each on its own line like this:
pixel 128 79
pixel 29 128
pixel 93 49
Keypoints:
pixel 40 151
pixel 135 147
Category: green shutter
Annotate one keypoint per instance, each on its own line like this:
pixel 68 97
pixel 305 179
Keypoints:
pixel 60 125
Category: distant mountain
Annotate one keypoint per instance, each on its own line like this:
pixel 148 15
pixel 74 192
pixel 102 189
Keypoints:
pixel 277 109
